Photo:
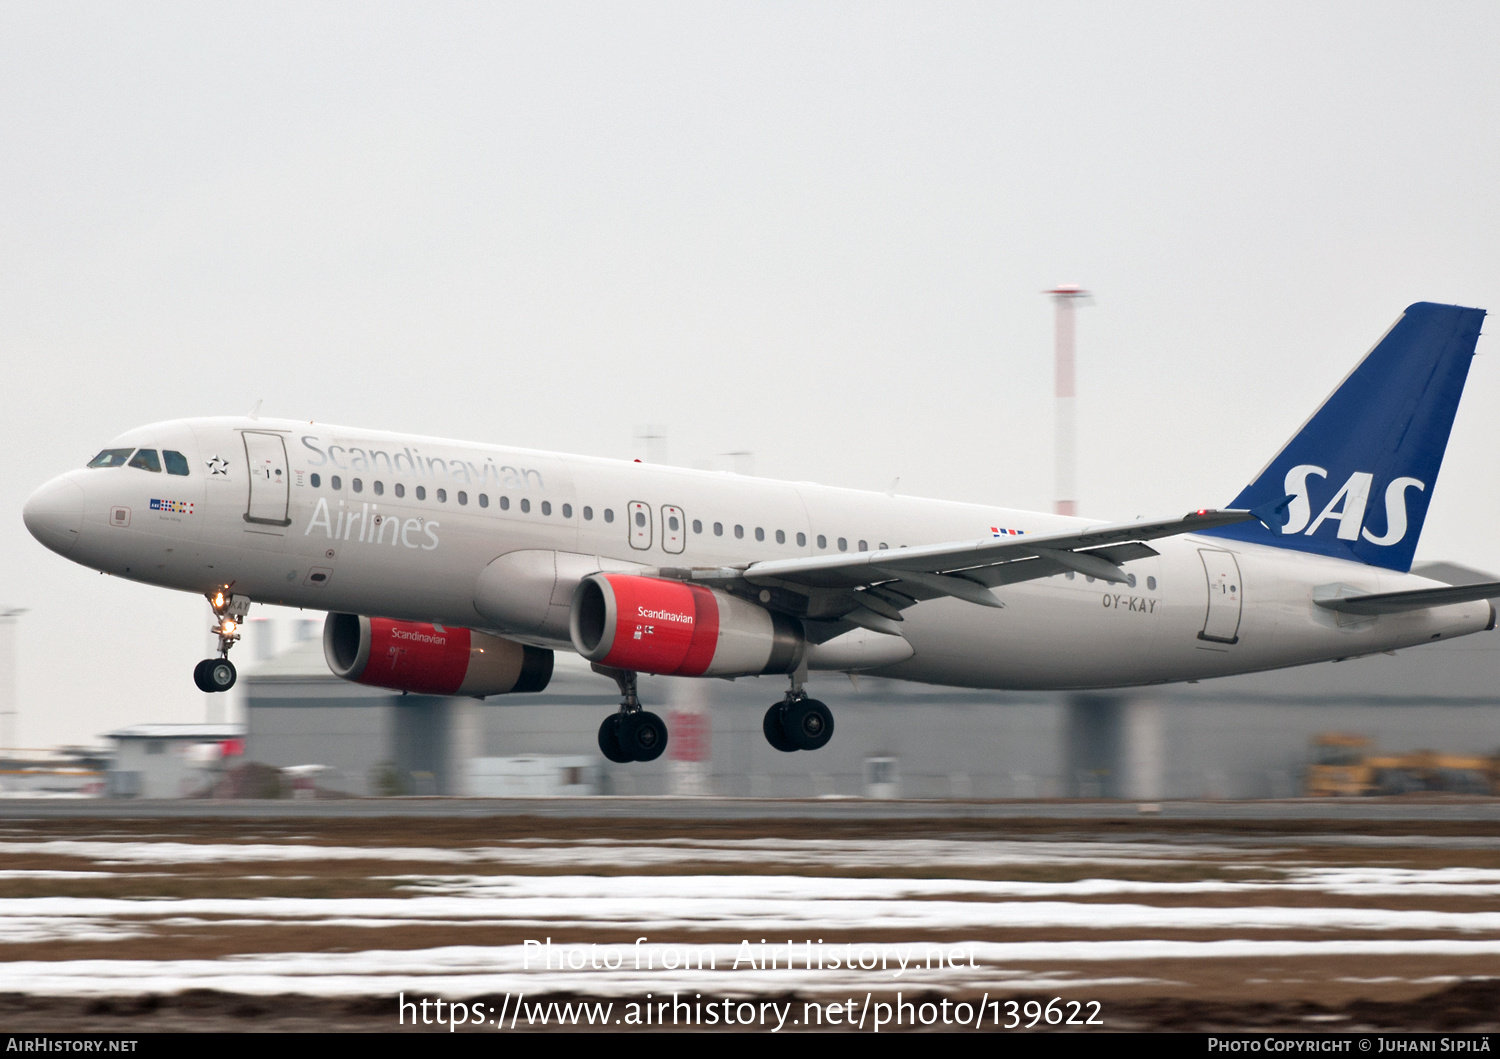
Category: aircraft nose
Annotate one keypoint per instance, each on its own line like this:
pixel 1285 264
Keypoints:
pixel 54 514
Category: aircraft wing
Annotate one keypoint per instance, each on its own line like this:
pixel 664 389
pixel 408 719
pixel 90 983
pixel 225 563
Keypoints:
pixel 872 588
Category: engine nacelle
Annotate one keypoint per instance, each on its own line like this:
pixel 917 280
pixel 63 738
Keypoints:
pixel 650 625
pixel 431 659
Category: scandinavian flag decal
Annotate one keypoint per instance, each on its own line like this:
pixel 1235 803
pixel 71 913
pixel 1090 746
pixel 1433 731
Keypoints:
pixel 1000 531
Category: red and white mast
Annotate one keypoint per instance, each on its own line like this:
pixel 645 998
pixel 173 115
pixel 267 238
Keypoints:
pixel 1065 481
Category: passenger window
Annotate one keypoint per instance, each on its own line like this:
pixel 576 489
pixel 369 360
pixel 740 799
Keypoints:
pixel 380 489
pixel 673 523
pixel 780 536
pixel 588 514
pixel 505 503
pixel 567 511
pixel 111 458
pixel 525 506
pixel 1151 583
pixel 442 496
pixel 760 534
pixel 336 482
pixel 640 518
pixel 421 491
pixel 1130 580
pixel 609 515
pixel 802 540
pixel 400 489
pixel 357 485
pixel 739 532
pixel 463 497
pixel 176 462
pixel 697 525
pixel 863 546
pixel 843 545
pixel 315 480
pixel 146 460
pixel 822 541
pixel 718 529
pixel 884 545
pixel 546 507
pixel 484 500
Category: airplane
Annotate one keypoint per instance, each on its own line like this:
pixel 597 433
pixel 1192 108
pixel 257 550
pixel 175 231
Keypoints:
pixel 449 568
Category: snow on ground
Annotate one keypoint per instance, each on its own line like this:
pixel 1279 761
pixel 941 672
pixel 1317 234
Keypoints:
pixel 852 887
pixel 715 902
pixel 467 971
pixel 822 853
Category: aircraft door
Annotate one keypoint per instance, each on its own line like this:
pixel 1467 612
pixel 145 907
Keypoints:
pixel 639 516
pixel 1225 594
pixel 673 530
pixel 270 483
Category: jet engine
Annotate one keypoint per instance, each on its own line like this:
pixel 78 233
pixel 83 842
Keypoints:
pixel 649 625
pixel 431 659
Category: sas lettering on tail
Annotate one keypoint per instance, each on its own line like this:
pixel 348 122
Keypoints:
pixel 1347 507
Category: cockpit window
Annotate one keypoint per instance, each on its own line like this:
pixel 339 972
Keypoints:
pixel 176 462
pixel 111 458
pixel 146 460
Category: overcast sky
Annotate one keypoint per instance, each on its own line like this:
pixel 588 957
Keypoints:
pixel 814 231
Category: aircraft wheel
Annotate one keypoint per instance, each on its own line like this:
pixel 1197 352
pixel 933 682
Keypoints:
pixel 643 735
pixel 219 674
pixel 200 675
pixel 609 740
pixel 775 733
pixel 808 724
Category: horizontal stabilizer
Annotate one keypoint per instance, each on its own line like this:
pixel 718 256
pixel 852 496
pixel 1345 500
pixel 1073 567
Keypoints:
pixel 1418 599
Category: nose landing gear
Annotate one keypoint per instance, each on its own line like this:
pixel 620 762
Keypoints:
pixel 633 734
pixel 218 674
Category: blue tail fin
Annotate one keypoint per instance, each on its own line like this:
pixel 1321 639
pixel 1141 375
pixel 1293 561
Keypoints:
pixel 1357 478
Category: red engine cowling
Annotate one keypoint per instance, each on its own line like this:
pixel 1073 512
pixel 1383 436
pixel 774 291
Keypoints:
pixel 431 659
pixel 649 625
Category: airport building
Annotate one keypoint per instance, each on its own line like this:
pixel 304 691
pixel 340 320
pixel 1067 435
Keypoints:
pixel 1236 737
pixel 170 760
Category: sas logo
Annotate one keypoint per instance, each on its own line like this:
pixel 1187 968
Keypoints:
pixel 1000 531
pixel 175 507
pixel 1347 507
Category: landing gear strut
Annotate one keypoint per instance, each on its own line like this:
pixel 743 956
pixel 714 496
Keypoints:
pixel 798 722
pixel 218 674
pixel 633 734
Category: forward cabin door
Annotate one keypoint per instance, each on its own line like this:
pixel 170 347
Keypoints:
pixel 1222 622
pixel 270 484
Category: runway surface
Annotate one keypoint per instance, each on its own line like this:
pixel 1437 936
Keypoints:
pixel 1205 915
pixel 1441 808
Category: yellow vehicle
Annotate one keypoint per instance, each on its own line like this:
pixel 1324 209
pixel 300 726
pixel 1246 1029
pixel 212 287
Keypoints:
pixel 1339 767
pixel 1343 766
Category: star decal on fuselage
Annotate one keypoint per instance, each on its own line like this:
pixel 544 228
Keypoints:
pixel 217 466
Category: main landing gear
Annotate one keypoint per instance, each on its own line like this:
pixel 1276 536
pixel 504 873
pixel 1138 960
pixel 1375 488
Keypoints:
pixel 633 734
pixel 798 722
pixel 218 674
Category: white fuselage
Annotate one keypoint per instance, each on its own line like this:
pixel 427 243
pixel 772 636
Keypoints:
pixel 498 537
